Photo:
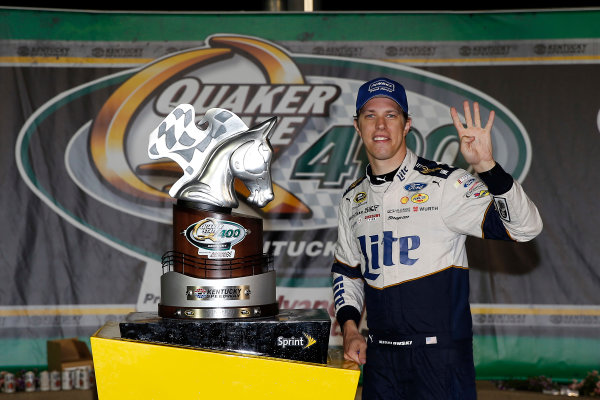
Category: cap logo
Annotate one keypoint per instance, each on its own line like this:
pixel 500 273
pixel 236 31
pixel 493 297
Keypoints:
pixel 381 85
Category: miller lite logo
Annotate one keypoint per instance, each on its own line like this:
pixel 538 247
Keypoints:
pixel 395 250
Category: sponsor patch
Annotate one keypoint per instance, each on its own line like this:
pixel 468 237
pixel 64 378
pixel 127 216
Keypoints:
pixel 469 182
pixel 398 210
pixel 465 178
pixel 396 342
pixel 419 198
pixel 372 217
pixel 415 186
pixel 502 208
pixel 360 197
pixel 426 167
pixel 402 173
pixel 397 217
pixel 381 85
pixel 480 193
pixel 477 187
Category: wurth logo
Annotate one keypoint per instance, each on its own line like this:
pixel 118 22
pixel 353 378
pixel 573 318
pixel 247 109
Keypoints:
pixel 392 249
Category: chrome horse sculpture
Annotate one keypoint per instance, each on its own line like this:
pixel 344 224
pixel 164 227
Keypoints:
pixel 214 151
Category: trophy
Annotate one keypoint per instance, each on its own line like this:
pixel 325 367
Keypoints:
pixel 217 254
pixel 218 290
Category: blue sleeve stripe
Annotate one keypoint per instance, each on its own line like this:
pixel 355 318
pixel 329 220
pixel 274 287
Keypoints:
pixel 346 270
pixel 492 226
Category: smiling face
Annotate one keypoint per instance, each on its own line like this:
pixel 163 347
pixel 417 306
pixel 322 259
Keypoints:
pixel 383 129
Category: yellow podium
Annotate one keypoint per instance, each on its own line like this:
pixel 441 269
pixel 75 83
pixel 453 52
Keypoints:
pixel 127 369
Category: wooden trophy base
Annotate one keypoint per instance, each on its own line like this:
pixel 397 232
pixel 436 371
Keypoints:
pixel 217 269
pixel 215 243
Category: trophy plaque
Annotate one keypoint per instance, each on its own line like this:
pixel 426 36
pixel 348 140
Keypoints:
pixel 218 289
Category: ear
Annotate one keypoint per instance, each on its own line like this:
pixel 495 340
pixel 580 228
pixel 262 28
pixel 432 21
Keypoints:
pixel 270 124
pixel 355 122
pixel 407 126
pixel 265 128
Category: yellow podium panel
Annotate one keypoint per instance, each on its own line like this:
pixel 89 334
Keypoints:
pixel 127 369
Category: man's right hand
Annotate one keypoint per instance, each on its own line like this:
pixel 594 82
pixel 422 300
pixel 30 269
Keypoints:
pixel 355 345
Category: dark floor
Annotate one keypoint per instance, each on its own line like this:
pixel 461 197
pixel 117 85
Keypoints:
pixel 487 391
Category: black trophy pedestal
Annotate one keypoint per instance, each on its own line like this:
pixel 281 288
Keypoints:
pixel 300 335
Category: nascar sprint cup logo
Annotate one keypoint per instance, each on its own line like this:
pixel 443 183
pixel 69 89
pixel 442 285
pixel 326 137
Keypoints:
pixel 317 152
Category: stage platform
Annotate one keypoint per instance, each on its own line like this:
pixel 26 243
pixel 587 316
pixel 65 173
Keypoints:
pixel 130 369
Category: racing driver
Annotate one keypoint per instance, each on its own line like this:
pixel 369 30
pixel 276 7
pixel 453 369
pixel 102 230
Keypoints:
pixel 401 250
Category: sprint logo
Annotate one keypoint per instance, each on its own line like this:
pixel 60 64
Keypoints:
pixel 304 342
pixel 310 340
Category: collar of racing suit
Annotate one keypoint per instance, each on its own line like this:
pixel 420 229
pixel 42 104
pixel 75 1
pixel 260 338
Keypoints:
pixel 380 179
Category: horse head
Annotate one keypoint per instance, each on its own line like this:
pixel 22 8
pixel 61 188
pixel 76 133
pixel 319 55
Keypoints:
pixel 251 163
pixel 211 154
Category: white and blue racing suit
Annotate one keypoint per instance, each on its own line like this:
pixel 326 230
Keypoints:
pixel 401 254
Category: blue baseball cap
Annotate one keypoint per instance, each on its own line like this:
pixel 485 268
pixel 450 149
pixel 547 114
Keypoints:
pixel 379 87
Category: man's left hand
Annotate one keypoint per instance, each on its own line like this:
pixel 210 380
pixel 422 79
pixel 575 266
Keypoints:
pixel 475 141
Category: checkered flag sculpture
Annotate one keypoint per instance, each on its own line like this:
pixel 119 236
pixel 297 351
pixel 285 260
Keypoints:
pixel 212 152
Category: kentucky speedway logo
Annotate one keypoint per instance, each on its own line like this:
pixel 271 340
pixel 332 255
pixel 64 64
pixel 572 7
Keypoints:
pixel 316 151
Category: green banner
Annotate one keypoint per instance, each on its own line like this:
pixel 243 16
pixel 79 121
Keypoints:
pixel 86 216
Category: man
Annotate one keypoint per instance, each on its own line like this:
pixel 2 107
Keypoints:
pixel 401 250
